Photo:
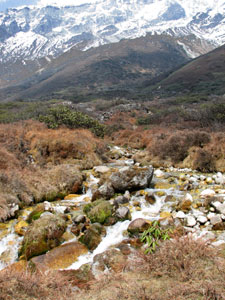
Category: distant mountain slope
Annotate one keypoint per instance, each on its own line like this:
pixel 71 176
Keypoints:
pixel 205 74
pixel 114 69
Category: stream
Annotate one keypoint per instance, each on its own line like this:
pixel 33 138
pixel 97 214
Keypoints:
pixel 166 182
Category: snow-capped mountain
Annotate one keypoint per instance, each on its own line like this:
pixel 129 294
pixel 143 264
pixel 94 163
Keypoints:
pixel 48 31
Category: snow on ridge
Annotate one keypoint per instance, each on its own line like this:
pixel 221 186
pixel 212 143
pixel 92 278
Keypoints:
pixel 40 31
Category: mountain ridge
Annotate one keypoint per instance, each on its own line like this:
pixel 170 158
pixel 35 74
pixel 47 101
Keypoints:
pixel 37 32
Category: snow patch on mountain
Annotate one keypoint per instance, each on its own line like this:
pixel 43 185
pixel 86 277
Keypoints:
pixel 53 27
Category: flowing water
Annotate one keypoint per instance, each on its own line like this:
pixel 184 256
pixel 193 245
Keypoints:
pixel 10 241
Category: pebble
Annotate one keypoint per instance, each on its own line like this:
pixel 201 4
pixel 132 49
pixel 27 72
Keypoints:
pixel 209 180
pixel 193 179
pixel 202 219
pixel 188 197
pixel 215 219
pixel 207 193
pixel 191 221
pixel 220 207
pixel 180 215
pixel 202 177
pixel 101 169
pixel 159 173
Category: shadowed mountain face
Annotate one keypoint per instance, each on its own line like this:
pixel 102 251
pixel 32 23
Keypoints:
pixel 111 70
pixel 205 75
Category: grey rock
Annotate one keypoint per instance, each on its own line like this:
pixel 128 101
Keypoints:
pixel 120 200
pixel 123 213
pixel 131 178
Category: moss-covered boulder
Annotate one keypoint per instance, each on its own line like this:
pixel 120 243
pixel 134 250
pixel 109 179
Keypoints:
pixel 60 257
pixel 98 211
pixel 21 227
pixel 92 236
pixel 36 213
pixel 42 235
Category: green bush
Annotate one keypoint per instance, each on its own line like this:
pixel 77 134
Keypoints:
pixel 61 115
pixel 153 235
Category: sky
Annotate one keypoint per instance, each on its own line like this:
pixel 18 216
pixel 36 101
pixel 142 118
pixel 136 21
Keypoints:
pixel 4 4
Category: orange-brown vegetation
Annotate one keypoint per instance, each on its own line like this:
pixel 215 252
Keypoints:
pixel 181 269
pixel 39 164
pixel 197 149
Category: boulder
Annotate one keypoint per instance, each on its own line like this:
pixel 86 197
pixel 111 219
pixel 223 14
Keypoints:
pixel 120 200
pixel 105 191
pixel 112 259
pixel 138 226
pixel 36 213
pixel 60 257
pixel 123 213
pixel 92 236
pixel 98 211
pixel 101 169
pixel 131 178
pixel 42 235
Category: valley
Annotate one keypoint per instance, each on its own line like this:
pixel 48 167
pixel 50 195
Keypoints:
pixel 112 151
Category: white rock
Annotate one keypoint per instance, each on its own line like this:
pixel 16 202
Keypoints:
pixel 219 178
pixel 202 177
pixel 220 207
pixel 47 206
pixel 101 169
pixel 192 179
pixel 218 243
pixel 210 215
pixel 191 221
pixel 215 219
pixel 207 235
pixel 207 193
pixel 188 197
pixel 209 180
pixel 202 219
pixel 159 173
pixel 129 162
pixel 180 215
pixel 127 195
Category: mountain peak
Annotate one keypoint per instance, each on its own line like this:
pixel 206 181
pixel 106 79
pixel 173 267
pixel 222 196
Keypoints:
pixel 53 27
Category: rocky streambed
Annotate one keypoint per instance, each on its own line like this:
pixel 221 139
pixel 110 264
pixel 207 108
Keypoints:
pixel 99 230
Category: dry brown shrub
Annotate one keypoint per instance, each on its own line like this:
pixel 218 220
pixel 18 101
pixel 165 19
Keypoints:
pixel 37 163
pixel 183 258
pixel 25 285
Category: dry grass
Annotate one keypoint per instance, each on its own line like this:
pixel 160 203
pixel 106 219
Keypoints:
pixel 39 164
pixel 181 269
pixel 30 286
pixel 196 149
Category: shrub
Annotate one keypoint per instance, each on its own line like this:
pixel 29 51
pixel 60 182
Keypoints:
pixel 153 235
pixel 61 115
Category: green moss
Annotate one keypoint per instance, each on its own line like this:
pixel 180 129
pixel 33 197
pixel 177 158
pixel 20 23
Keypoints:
pixel 98 211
